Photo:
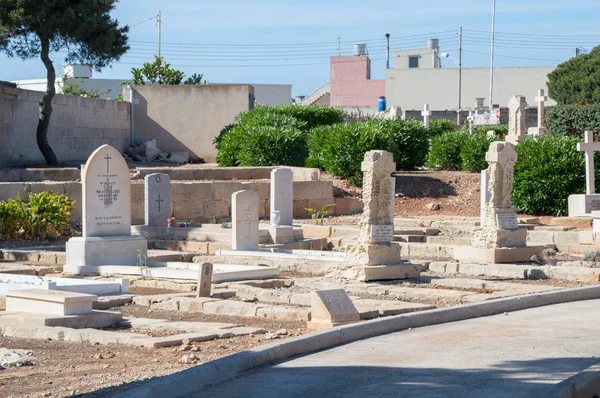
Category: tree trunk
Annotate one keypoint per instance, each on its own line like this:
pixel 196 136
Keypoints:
pixel 46 106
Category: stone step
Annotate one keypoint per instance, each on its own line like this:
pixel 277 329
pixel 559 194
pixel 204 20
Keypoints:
pixel 449 240
pixel 205 248
pixel 168 255
pixel 416 231
pixel 410 238
pixel 212 234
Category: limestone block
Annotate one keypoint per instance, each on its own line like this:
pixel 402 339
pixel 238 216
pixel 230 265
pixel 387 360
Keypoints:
pixel 232 308
pixel 182 191
pixel 489 237
pixel 583 205
pixel 300 206
pixel 331 308
pixel 316 231
pixel 51 302
pixel 495 255
pixel 193 210
pixel 313 189
pixel 284 313
pixel 222 191
pixel 375 254
pixel 262 188
pixel 347 206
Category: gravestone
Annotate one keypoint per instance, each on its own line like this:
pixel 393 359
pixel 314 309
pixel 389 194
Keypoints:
pixel 485 195
pixel 51 302
pixel 282 205
pixel 106 216
pixel 244 217
pixel 541 100
pixel 583 205
pixel 375 257
pixel 393 199
pixel 157 190
pixel 499 238
pixel 426 113
pixel 516 119
pixel 331 308
pixel 205 274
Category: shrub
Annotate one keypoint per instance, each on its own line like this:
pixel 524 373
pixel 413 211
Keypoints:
pixel 572 120
pixel 441 126
pixel 260 138
pixel 340 149
pixel 472 153
pixel 46 215
pixel 445 152
pixel 548 170
pixel 500 129
pixel 410 141
pixel 313 116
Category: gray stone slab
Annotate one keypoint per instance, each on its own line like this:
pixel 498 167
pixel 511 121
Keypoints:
pixel 157 199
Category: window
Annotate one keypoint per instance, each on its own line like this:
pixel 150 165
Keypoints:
pixel 413 61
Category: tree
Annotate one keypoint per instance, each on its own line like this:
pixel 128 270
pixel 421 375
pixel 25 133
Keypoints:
pixel 157 72
pixel 194 79
pixel 576 81
pixel 84 28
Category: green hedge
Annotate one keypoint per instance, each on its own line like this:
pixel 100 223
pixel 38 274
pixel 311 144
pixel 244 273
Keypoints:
pixel 500 129
pixel 548 170
pixel 572 120
pixel 46 215
pixel 263 140
pixel 441 126
pixel 340 149
pixel 445 151
pixel 472 153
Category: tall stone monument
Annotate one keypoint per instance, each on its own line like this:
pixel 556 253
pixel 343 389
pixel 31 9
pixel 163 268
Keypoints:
pixel 157 197
pixel 282 205
pixel 375 257
pixel 583 205
pixel 516 119
pixel 541 100
pixel 106 214
pixel 499 239
pixel 244 217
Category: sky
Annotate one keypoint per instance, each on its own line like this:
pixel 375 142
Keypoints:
pixel 290 41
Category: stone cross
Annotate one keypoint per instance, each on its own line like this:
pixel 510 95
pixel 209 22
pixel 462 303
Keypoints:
pixel 589 147
pixel 157 199
pixel 426 113
pixel 205 274
pixel 501 158
pixel 377 223
pixel 282 196
pixel 516 119
pixel 541 99
pixel 244 217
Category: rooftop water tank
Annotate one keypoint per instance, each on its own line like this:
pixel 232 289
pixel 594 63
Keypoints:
pixel 360 49
pixel 433 44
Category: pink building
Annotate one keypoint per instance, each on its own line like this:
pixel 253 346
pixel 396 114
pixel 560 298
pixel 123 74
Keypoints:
pixel 351 83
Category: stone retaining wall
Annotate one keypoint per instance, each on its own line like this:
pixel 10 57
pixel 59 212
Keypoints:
pixel 202 201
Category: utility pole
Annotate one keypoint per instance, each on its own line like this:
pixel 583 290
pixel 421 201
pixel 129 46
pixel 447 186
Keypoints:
pixel 460 43
pixel 339 46
pixel 492 55
pixel 387 52
pixel 159 23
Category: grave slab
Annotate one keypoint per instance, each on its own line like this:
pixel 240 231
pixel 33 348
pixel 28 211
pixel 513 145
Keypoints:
pixel 51 302
pixel 157 197
pixel 496 255
pixel 82 253
pixel 94 319
pixel 583 205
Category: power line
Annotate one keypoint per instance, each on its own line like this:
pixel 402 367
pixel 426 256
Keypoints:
pixel 510 56
pixel 139 23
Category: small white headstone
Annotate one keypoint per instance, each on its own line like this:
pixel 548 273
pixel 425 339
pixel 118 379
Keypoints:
pixel 106 199
pixel 332 306
pixel 205 274
pixel 157 189
pixel 244 216
pixel 282 195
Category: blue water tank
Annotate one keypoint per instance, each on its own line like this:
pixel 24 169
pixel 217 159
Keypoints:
pixel 381 104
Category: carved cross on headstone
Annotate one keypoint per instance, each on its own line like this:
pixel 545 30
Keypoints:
pixel 426 113
pixel 159 201
pixel 589 147
pixel 541 99
pixel 108 158
pixel 246 219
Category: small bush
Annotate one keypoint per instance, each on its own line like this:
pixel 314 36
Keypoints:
pixel 410 142
pixel 548 170
pixel 46 215
pixel 313 116
pixel 445 152
pixel 273 146
pixel 572 120
pixel 500 129
pixel 441 126
pixel 472 153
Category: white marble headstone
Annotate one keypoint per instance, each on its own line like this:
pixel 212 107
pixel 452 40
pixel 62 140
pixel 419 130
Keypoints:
pixel 244 216
pixel 282 196
pixel 106 199
pixel 157 198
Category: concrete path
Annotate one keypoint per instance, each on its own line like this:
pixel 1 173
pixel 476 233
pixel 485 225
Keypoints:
pixel 519 354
